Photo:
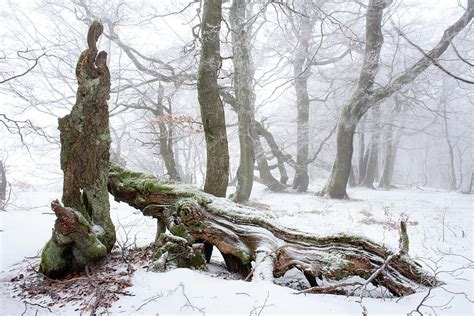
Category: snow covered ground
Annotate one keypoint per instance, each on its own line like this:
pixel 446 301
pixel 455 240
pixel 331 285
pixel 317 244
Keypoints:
pixel 440 230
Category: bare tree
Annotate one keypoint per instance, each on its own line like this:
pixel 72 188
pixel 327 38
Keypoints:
pixel 244 96
pixel 212 109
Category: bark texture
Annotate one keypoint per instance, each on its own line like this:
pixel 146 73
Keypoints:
pixel 244 95
pixel 84 232
pixel 365 96
pixel 212 109
pixel 245 235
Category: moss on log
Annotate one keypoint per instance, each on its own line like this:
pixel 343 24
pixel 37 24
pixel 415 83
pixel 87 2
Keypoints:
pixel 245 235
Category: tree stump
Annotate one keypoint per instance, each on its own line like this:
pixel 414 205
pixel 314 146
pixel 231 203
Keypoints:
pixel 89 233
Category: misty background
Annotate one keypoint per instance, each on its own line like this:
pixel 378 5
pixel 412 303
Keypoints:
pixel 153 46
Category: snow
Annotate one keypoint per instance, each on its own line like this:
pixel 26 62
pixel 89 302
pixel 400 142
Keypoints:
pixel 440 227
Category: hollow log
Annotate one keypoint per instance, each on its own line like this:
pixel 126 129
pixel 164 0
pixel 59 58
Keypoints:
pixel 254 246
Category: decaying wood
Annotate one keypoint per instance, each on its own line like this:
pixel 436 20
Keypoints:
pixel 245 235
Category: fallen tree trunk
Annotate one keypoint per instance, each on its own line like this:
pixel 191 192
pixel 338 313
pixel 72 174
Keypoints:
pixel 245 235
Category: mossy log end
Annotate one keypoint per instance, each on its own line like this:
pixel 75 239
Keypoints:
pixel 85 145
pixel 252 244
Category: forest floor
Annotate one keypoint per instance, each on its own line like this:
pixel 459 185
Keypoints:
pixel 440 227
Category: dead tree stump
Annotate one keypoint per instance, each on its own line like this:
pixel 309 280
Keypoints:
pixel 85 144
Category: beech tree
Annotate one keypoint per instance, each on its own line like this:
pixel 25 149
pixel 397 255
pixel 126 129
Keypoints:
pixel 366 95
pixel 241 32
pixel 212 109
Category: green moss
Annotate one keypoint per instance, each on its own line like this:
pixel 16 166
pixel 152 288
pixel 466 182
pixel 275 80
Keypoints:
pixel 95 24
pixel 180 231
pixel 139 181
pixel 146 183
pixel 192 260
pixel 196 226
pixel 53 260
pixel 177 252
pixel 244 256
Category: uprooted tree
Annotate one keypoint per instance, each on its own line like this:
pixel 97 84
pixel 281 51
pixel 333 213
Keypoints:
pixel 83 232
pixel 245 235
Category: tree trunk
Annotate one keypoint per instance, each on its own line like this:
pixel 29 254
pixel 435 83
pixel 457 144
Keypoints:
pixel 244 95
pixel 452 169
pixel 264 170
pixel 3 181
pixel 262 164
pixel 301 73
pixel 277 153
pixel 245 235
pixel 212 109
pixel 84 232
pixel 391 148
pixel 358 104
pixel 340 172
pixel 362 155
pixel 372 164
pixel 373 151
pixel 392 139
pixel 166 140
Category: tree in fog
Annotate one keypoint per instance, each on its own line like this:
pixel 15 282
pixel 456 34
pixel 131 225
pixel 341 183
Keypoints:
pixel 366 95
pixel 212 109
pixel 241 31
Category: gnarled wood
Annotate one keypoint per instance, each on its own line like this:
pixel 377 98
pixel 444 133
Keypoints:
pixel 245 235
